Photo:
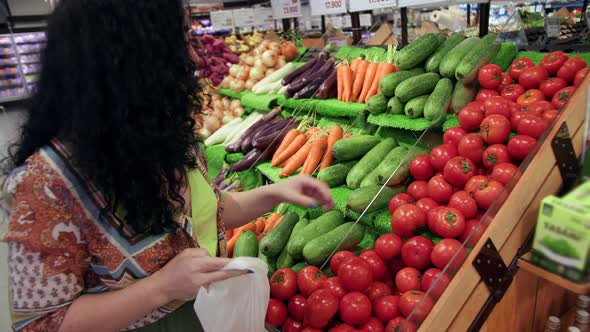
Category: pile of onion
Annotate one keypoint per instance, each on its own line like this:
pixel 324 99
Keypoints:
pixel 217 113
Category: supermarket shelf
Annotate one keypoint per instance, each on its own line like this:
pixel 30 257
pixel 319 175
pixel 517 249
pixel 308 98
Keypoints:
pixel 14 99
pixel 525 264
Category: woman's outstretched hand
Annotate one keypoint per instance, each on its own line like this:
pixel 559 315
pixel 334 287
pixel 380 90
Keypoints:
pixel 305 191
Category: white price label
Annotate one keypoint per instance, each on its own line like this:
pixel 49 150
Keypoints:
pixel 222 20
pixel 552 26
pixel 361 5
pixel 286 8
pixel 244 17
pixel 327 7
pixel 263 19
pixel 366 20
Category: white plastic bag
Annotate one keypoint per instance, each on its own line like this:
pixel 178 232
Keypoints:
pixel 236 304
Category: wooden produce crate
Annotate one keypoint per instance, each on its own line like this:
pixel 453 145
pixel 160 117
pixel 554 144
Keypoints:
pixel 466 295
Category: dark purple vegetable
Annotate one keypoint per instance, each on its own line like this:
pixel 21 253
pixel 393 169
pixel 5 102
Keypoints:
pixel 220 176
pixel 232 148
pixel 310 89
pixel 299 83
pixel 265 141
pixel 247 143
pixel 323 72
pixel 247 161
pixel 276 127
pixel 246 136
pixel 268 127
pixel 297 72
pixel 328 86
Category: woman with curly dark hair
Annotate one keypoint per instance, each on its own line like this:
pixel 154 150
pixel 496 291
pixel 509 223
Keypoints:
pixel 112 223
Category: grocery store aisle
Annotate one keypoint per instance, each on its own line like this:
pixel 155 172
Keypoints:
pixel 9 124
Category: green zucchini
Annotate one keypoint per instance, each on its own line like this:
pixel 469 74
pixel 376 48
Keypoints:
pixel 247 245
pixel 284 259
pixel 369 162
pixel 271 263
pixel 478 57
pixel 451 60
pixel 396 157
pixel 505 56
pixel 417 51
pixel 335 175
pixel 377 104
pixel 417 71
pixel 272 244
pixel 361 198
pixel 395 106
pixel 354 147
pixel 416 86
pixel 297 267
pixel 415 107
pixel 434 60
pixel 389 82
pixel 321 225
pixel 343 237
pixel 462 95
pixel 438 102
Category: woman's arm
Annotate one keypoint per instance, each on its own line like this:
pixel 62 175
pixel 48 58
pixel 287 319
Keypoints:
pixel 241 208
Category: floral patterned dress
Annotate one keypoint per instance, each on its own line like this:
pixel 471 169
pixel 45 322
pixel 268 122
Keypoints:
pixel 62 244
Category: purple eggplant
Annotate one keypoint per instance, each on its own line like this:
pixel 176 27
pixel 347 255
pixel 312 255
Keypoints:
pixel 328 87
pixel 247 143
pixel 219 178
pixel 274 128
pixel 265 141
pixel 232 148
pixel 247 162
pixel 299 83
pixel 268 127
pixel 299 71
pixel 323 72
pixel 246 136
pixel 310 89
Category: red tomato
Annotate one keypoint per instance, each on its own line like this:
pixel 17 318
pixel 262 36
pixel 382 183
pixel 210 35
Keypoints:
pixel 515 119
pixel 276 313
pixel 396 265
pixel 570 68
pixel 416 252
pixel 487 194
pixel 471 116
pixel 580 75
pixel 529 97
pixel 355 308
pixel 515 107
pixel 283 284
pixel 428 282
pixel 562 96
pixel 407 279
pixel 417 304
pixel 310 279
pixel 549 116
pixel 506 80
pixel 519 65
pixel 296 306
pixel 421 168
pixel 471 146
pixel 495 154
pixel 495 129
pixel 338 259
pixel 512 91
pixel 387 279
pixel 550 86
pixel 342 328
pixel 439 189
pixel 399 200
pixel 454 135
pixel 373 325
pixel 446 222
pixel 531 78
pixel 443 253
pixel 406 219
pixel 378 290
pixel 386 308
pixel 377 264
pixel 553 61
pixel 426 204
pixel 531 125
pixel 477 229
pixel 474 183
pixel 458 171
pixel 292 325
pixel 497 105
pixel 320 307
pixel 310 329
pixel 490 76
pixel 484 94
pixel 333 285
pixel 400 324
pixel 355 274
pixel 503 173
pixel 520 146
pixel 537 108
pixel 463 202
pixel 388 246
pixel 418 189
pixel 441 154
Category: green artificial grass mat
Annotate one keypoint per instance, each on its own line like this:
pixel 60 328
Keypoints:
pixel 452 121
pixel 259 102
pixel 329 122
pixel 215 160
pixel 230 93
pixel 272 173
pixel 400 121
pixel 382 223
pixel 336 108
pixel 297 104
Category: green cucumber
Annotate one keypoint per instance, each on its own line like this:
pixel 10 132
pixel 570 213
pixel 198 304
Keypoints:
pixel 433 62
pixel 478 57
pixel 270 262
pixel 416 86
pixel 284 260
pixel 369 162
pixel 438 102
pixel 296 230
pixel 247 245
pixel 321 225
pixel 335 175
pixel 377 104
pixel 354 147
pixel 272 244
pixel 417 71
pixel 451 60
pixel 505 56
pixel 343 237
pixel 297 267
pixel 415 107
pixel 462 95
pixel 389 82
pixel 441 38
pixel 395 106
pixel 361 198
pixel 417 51
pixel 397 157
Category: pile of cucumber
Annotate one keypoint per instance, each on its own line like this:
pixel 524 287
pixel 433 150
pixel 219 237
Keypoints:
pixel 438 73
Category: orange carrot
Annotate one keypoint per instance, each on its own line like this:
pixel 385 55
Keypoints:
pixel 383 69
pixel 231 243
pixel 359 78
pixel 296 161
pixel 260 223
pixel 259 236
pixel 284 163
pixel 248 227
pixel 339 78
pixel 270 221
pixel 334 135
pixel 371 71
pixel 278 221
pixel 286 141
pixel 312 132
pixel 318 147
pixel 229 233
pixel 347 135
pixel 291 149
pixel 347 83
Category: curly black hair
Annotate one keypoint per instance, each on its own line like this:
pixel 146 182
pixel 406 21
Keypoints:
pixel 117 85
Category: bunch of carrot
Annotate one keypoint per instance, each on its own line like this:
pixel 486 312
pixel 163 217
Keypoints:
pixel 359 81
pixel 307 151
pixel 260 227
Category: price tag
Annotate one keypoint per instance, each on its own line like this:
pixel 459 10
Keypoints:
pixel 346 21
pixel 222 20
pixel 327 7
pixel 552 26
pixel 366 20
pixel 361 5
pixel 263 19
pixel 244 17
pixel 285 8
